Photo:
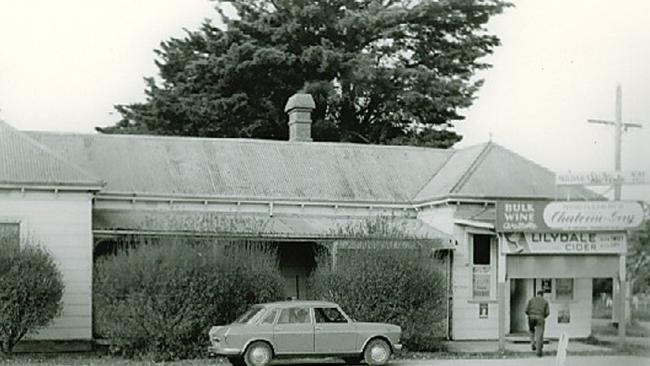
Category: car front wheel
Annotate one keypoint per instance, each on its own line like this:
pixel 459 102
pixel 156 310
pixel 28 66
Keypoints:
pixel 377 352
pixel 258 354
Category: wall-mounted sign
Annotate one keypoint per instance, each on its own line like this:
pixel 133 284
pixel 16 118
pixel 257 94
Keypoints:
pixel 545 216
pixel 602 178
pixel 564 243
pixel 564 314
pixel 483 310
pixel 481 281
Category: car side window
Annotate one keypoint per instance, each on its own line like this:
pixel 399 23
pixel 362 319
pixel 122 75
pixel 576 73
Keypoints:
pixel 296 315
pixel 269 318
pixel 329 315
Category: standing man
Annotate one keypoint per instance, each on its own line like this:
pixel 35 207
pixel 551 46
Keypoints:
pixel 537 310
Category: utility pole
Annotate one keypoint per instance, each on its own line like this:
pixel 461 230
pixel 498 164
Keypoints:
pixel 619 127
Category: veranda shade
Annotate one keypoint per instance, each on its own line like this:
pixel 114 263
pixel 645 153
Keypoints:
pixel 143 222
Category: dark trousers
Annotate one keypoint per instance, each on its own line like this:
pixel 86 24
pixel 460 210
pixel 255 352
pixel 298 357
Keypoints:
pixel 536 327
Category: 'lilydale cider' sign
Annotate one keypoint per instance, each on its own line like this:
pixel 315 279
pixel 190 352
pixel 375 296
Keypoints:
pixel 565 242
pixel 547 216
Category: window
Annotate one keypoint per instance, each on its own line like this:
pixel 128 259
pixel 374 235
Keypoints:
pixel 295 315
pixel 564 289
pixel 250 316
pixel 482 250
pixel 9 235
pixel 329 315
pixel 483 267
pixel 269 318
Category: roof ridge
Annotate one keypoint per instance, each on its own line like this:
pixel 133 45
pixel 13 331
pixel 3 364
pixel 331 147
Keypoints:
pixel 22 135
pixel 472 168
pixel 240 139
pixel 426 183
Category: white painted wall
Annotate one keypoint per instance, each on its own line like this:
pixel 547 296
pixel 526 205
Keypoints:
pixel 580 308
pixel 62 223
pixel 466 323
pixel 441 218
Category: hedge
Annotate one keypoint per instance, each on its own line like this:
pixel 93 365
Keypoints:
pixel 158 300
pixel 398 286
pixel 31 288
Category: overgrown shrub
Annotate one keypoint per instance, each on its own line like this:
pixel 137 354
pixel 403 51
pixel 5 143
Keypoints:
pixel 158 300
pixel 399 286
pixel 31 288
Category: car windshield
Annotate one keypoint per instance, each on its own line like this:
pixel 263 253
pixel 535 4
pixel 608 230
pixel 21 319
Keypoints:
pixel 251 315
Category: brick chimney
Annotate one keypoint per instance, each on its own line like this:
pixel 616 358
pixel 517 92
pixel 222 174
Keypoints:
pixel 299 108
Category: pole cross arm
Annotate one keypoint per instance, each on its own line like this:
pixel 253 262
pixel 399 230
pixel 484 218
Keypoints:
pixel 625 124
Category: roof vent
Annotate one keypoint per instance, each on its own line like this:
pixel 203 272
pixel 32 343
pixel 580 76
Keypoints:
pixel 299 108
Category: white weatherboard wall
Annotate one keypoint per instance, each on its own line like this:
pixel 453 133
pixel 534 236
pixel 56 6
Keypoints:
pixel 466 323
pixel 62 223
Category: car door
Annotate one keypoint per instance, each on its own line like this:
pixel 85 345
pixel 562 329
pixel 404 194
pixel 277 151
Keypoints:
pixel 333 332
pixel 293 332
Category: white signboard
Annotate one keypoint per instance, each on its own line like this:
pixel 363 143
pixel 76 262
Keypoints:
pixel 593 215
pixel 602 178
pixel 565 243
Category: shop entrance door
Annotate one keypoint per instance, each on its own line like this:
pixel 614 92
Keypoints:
pixel 520 292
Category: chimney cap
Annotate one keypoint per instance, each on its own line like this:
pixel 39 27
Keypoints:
pixel 300 100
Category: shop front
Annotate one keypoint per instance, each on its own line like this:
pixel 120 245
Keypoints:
pixel 559 247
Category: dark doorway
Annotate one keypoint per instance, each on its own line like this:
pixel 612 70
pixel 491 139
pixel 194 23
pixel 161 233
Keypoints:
pixel 297 261
pixel 520 292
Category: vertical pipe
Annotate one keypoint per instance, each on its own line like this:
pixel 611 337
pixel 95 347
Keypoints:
pixel 501 291
pixel 297 286
pixel 502 316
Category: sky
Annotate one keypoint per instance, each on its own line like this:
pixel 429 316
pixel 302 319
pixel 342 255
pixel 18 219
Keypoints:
pixel 65 63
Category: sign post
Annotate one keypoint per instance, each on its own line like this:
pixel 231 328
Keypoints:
pixel 562 345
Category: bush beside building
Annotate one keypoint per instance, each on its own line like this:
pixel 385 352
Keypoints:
pixel 31 288
pixel 399 286
pixel 158 300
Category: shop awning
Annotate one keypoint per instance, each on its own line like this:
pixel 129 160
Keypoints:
pixel 562 266
pixel 255 226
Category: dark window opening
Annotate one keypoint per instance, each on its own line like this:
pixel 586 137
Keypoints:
pixel 481 249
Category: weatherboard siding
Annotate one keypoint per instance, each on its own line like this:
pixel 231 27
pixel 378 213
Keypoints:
pixel 62 223
pixel 466 323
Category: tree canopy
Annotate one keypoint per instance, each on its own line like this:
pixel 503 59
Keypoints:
pixel 638 255
pixel 380 71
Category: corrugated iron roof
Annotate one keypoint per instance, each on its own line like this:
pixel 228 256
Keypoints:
pixel 266 227
pixel 25 162
pixel 499 172
pixel 206 167
pixel 307 171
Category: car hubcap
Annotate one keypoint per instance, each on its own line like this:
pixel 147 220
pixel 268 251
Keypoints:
pixel 378 353
pixel 260 356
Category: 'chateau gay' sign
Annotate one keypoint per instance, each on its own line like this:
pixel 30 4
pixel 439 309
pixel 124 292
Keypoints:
pixel 549 216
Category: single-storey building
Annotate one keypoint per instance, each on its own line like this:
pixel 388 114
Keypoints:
pixel 76 192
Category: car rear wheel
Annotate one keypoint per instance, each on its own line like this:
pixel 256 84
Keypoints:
pixel 258 354
pixel 377 352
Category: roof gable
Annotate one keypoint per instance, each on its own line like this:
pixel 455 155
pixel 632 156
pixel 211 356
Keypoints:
pixel 26 162
pixel 498 172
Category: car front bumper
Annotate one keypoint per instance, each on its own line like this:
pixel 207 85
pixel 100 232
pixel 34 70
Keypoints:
pixel 397 347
